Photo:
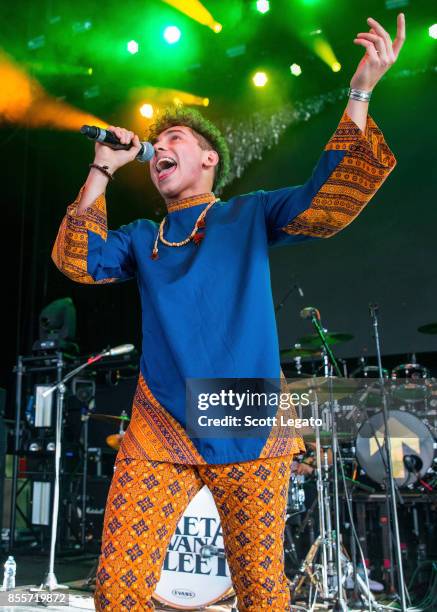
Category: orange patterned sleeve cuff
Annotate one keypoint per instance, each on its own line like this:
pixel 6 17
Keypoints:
pixel 366 164
pixel 70 250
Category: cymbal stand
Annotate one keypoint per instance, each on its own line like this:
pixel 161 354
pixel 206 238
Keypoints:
pixel 394 532
pixel 331 366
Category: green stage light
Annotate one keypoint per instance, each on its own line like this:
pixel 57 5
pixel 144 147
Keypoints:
pixel 260 79
pixel 432 30
pixel 172 34
pixel 295 69
pixel 133 47
pixel 262 6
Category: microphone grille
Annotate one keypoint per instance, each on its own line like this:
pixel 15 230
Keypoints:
pixel 146 153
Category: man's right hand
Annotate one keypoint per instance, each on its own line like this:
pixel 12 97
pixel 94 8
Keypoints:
pixel 115 159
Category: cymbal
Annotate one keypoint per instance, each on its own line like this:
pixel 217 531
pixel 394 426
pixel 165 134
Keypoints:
pixel 108 417
pixel 114 440
pixel 299 351
pixel 430 328
pixel 313 340
pixel 341 387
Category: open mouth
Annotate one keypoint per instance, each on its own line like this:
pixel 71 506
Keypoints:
pixel 164 167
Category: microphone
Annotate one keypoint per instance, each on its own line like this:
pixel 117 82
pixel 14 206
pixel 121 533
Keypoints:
pixel 109 139
pixel 413 463
pixel 118 350
pixel 299 290
pixel 309 312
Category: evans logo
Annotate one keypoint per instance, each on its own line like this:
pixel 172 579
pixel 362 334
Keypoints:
pixel 183 593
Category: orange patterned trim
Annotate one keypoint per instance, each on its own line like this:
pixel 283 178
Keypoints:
pixel 351 185
pixel 203 198
pixel 155 435
pixel 70 250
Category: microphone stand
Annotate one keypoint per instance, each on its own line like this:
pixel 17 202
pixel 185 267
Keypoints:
pixel 293 287
pixel 321 333
pixel 373 308
pixel 50 581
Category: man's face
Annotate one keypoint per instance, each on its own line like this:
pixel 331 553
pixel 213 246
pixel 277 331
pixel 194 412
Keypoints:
pixel 179 163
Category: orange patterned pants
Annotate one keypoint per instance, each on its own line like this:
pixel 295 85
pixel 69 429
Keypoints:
pixel 145 503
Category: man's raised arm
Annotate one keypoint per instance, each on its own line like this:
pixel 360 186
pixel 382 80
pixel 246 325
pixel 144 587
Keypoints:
pixel 85 250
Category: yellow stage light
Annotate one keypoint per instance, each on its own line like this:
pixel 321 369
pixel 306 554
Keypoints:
pixel 146 110
pixel 205 101
pixel 24 101
pixel 259 79
pixel 324 50
pixel 195 10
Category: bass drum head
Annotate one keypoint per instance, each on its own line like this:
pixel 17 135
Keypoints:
pixel 408 437
pixel 190 581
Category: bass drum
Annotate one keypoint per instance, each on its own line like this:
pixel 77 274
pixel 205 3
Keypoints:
pixel 412 446
pixel 195 572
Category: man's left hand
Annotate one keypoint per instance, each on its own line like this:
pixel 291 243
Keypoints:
pixel 381 53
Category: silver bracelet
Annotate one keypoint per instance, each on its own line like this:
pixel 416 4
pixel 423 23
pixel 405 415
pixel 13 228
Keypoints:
pixel 360 94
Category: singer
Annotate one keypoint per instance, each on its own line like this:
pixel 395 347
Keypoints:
pixel 203 277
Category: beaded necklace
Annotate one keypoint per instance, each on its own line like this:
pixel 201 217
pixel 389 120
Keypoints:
pixel 194 236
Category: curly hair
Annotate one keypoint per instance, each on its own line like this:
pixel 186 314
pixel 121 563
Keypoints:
pixel 206 133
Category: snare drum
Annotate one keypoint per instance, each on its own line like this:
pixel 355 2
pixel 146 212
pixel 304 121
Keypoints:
pixel 410 386
pixel 195 573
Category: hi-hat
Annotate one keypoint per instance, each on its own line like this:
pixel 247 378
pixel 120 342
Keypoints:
pixel 313 340
pixel 430 328
pixel 299 351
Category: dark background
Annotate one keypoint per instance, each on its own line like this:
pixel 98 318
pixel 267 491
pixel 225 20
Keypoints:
pixel 387 256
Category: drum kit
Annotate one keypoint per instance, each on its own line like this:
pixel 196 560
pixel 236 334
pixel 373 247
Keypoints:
pixel 349 454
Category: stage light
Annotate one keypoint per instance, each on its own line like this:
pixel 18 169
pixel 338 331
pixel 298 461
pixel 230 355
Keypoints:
pixel 205 102
pixel 90 71
pixel 133 47
pixel 197 11
pixel 146 110
pixel 259 79
pixel 23 101
pixel 263 6
pixel 295 69
pixel 172 34
pixel 432 30
pixel 81 26
pixel 323 49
